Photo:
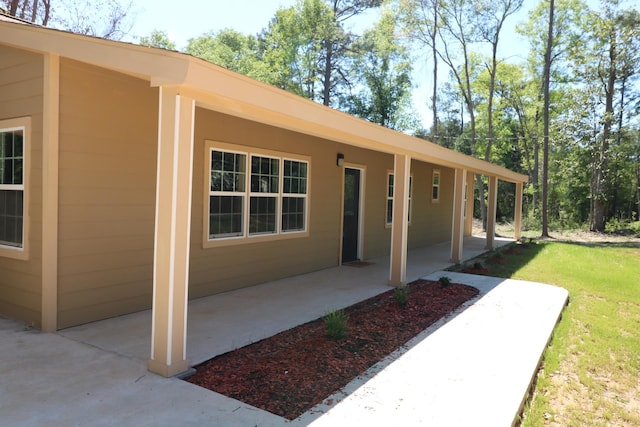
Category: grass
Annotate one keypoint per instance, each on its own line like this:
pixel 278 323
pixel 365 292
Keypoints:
pixel 591 368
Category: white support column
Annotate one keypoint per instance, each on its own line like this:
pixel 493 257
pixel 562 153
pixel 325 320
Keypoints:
pixel 468 221
pixel 491 211
pixel 172 233
pixel 400 222
pixel 457 222
pixel 517 221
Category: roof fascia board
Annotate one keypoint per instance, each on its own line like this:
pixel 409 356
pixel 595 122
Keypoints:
pixel 156 65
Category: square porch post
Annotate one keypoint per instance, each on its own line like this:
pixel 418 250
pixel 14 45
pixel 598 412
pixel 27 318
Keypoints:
pixel 491 211
pixel 172 233
pixel 458 223
pixel 518 211
pixel 400 220
pixel 468 220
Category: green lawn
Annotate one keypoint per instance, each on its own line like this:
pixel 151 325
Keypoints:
pixel 590 375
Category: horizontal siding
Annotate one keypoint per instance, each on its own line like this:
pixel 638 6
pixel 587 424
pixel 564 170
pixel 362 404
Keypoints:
pixel 108 140
pixel 223 268
pixel 430 221
pixel 21 95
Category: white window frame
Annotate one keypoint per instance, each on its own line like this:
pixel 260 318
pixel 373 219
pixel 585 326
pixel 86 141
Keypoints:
pixel 435 187
pixel 389 198
pixel 246 236
pixel 19 251
pixel 292 195
pixel 224 193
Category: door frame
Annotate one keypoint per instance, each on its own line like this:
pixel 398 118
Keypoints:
pixel 361 204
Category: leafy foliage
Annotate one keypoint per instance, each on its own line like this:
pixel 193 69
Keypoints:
pixel 335 323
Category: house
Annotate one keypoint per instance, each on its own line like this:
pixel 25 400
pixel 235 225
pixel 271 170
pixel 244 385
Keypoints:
pixel 133 177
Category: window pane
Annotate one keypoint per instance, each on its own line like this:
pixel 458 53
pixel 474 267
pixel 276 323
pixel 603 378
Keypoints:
pixel 390 187
pixel 11 217
pixel 295 177
pixel 262 215
pixel 265 174
pixel 227 171
pixel 389 211
pixel 293 213
pixel 225 216
pixel 11 160
pixel 435 193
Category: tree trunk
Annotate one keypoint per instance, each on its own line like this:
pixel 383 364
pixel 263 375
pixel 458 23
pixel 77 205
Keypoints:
pixel 434 98
pixel 599 219
pixel 13 7
pixel 326 92
pixel 545 140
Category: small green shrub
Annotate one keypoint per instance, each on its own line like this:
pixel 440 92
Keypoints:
pixel 335 323
pixel 401 295
pixel 444 281
pixel 478 266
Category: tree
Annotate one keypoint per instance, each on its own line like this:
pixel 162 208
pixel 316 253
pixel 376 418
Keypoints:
pixel 107 19
pixel 614 29
pixel 292 47
pixel 491 16
pixel 230 49
pixel 420 18
pixel 458 31
pixel 159 39
pixel 545 111
pixel 383 78
pixel 338 43
pixel 307 47
pixel 36 11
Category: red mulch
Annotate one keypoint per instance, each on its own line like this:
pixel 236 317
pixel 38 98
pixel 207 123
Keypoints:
pixel 289 373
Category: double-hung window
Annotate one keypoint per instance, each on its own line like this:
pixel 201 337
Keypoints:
pixel 435 189
pixel 265 183
pixel 227 199
pixel 255 194
pixel 12 186
pixel 390 188
pixel 294 195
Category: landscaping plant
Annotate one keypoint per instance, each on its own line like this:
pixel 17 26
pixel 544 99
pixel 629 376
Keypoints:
pixel 335 323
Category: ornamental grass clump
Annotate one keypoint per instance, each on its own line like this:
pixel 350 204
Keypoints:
pixel 335 323
pixel 444 281
pixel 401 295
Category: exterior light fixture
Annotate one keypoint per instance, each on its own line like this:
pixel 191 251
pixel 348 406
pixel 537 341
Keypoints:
pixel 340 159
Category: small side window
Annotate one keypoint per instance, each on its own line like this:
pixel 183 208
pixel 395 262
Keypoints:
pixel 435 192
pixel 390 187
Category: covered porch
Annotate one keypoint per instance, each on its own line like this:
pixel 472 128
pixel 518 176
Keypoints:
pixel 230 320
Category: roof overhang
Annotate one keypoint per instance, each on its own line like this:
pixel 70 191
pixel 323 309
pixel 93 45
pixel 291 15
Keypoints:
pixel 216 88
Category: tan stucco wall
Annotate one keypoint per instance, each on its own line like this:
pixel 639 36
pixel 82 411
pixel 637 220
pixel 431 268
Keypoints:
pixel 108 148
pixel 21 95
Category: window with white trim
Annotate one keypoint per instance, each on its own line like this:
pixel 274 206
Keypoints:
pixel 390 188
pixel 435 191
pixel 12 177
pixel 256 194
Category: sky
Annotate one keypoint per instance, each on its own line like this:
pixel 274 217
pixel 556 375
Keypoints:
pixel 193 18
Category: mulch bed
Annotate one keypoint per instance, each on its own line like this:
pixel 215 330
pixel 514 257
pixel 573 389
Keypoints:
pixel 289 373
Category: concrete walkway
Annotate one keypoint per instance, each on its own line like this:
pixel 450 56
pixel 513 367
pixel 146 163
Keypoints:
pixel 473 369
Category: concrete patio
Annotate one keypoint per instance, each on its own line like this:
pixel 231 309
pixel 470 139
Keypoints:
pixel 472 369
